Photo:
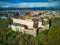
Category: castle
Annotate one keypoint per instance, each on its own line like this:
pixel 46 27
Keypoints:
pixel 30 23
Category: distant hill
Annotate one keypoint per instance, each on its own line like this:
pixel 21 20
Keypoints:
pixel 35 8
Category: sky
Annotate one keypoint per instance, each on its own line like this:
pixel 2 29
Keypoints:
pixel 20 1
pixel 29 3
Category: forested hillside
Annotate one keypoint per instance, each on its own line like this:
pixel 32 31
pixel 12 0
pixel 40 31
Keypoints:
pixel 46 37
